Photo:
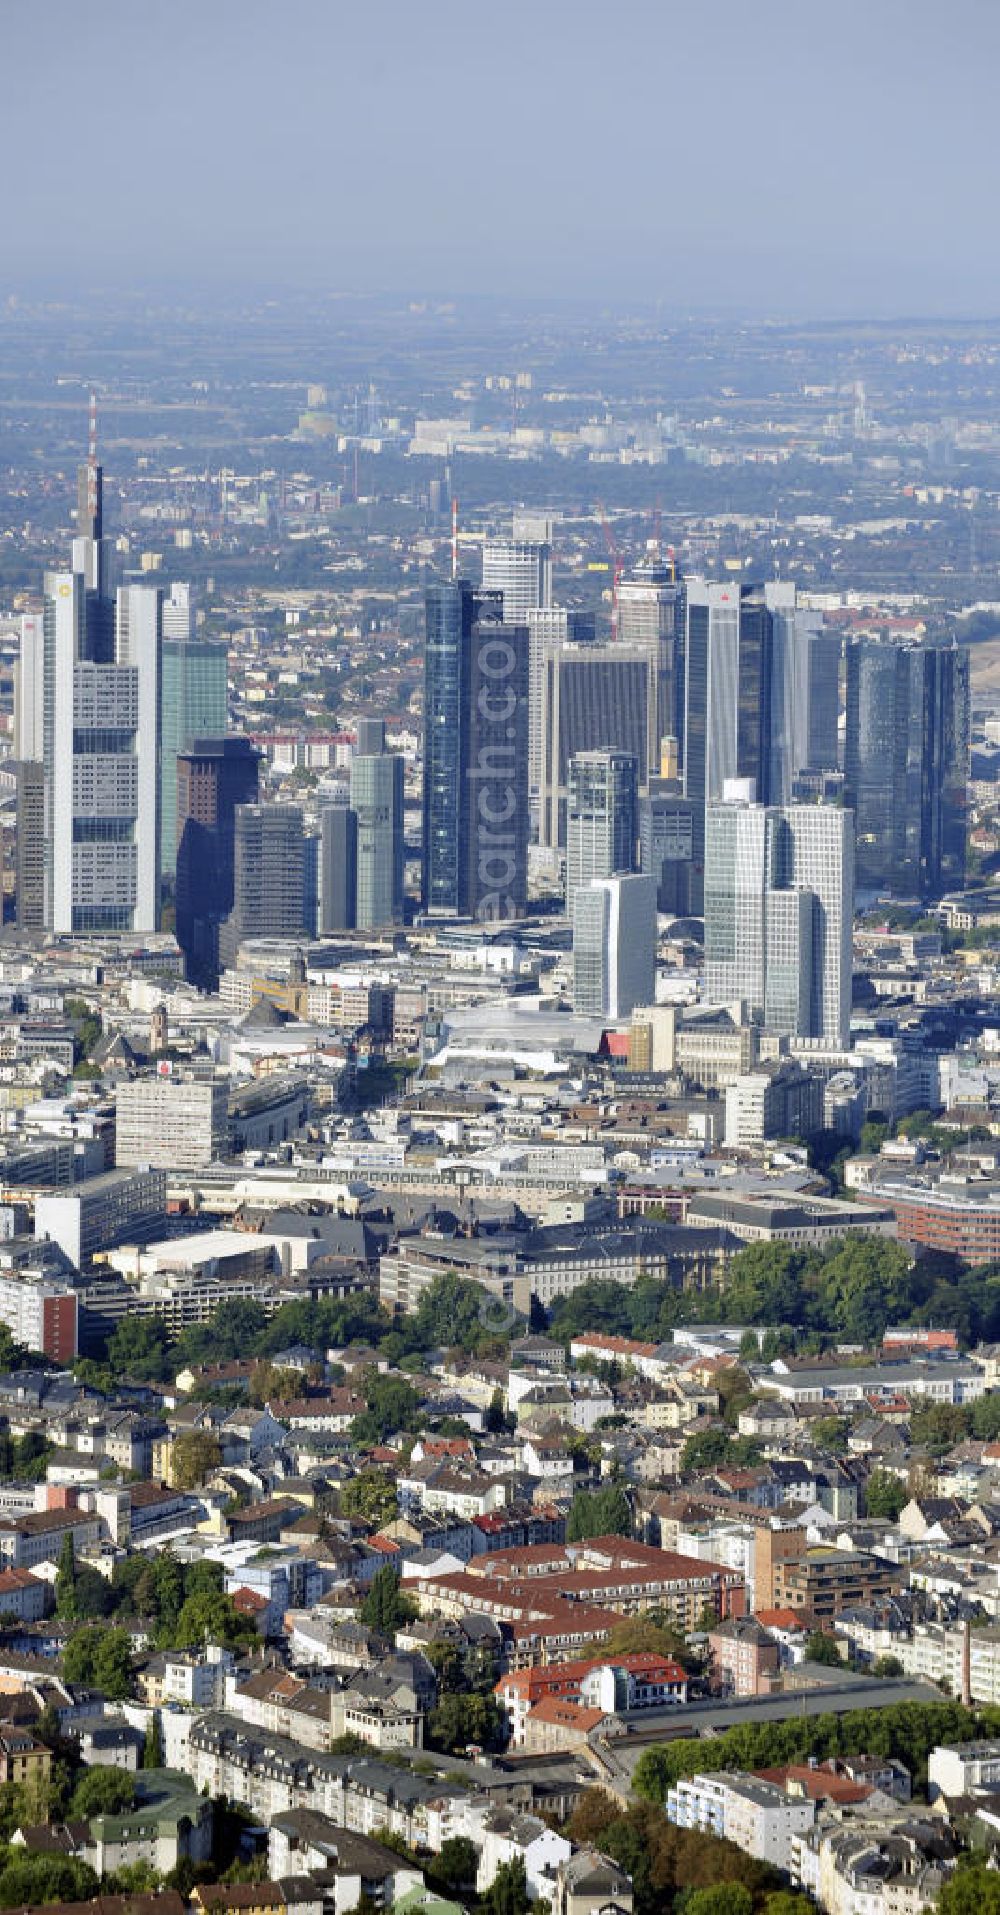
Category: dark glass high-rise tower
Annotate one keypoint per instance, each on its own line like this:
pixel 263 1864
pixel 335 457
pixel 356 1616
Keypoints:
pixel 214 777
pixel 476 793
pixel 906 765
pixel 450 610
pixel 268 877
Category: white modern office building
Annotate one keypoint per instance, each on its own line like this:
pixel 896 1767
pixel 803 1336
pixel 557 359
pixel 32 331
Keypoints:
pixel 522 570
pixel 93 725
pixel 614 946
pixel 779 906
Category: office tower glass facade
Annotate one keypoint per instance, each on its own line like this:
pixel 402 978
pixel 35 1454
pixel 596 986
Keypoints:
pixel 594 698
pixel 779 911
pixel 476 799
pixel 614 946
pixel 450 611
pixel 194 705
pixel 214 777
pixel 338 869
pixel 665 841
pixel 549 628
pixel 760 698
pixel 602 822
pixel 377 801
pixel 97 727
pixel 906 766
pixel 268 877
pixel 521 571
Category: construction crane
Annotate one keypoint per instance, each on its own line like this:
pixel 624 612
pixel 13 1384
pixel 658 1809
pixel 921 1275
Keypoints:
pixel 617 567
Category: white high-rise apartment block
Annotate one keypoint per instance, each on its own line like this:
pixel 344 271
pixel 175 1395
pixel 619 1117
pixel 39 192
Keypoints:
pixel 779 909
pixel 757 1816
pixel 522 570
pixel 171 1122
pixel 614 946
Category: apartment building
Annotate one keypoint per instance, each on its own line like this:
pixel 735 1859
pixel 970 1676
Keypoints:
pixel 171 1122
pixel 637 1681
pixel 758 1816
pixel 40 1314
pixel 819 1582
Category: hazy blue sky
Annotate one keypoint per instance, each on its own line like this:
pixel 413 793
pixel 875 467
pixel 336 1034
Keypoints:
pixel 788 155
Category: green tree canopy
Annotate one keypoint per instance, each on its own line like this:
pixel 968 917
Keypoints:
pixel 32 1881
pixel 971 1891
pixel 100 1658
pixel 455 1312
pixel 461 1720
pixel 823 1648
pixel 102 1791
pixel 726 1898
pixel 906 1731
pixel 885 1495
pixel 716 1448
pixel 393 1406
pixel 371 1496
pixel 194 1455
pixel 508 1892
pixel 152 1748
pixel 66 1580
pixel 764 1284
pixel 209 1616
pixel 137 1349
pixel 601 1512
pixel 385 1608
pixel 452 1871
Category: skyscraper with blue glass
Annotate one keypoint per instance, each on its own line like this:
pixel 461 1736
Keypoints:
pixel 194 705
pixel 906 765
pixel 476 796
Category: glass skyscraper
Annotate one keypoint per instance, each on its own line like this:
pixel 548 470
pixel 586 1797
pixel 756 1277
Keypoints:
pixel 194 705
pixel 614 946
pixel 268 877
pixel 451 608
pixel 377 801
pixel 594 698
pixel 760 698
pixel 95 730
pixel 602 821
pixel 476 789
pixel 214 777
pixel 779 912
pixel 906 765
pixel 521 571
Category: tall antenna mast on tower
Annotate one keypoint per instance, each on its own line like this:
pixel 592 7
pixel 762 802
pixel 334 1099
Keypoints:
pixel 92 459
pixel 454 537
